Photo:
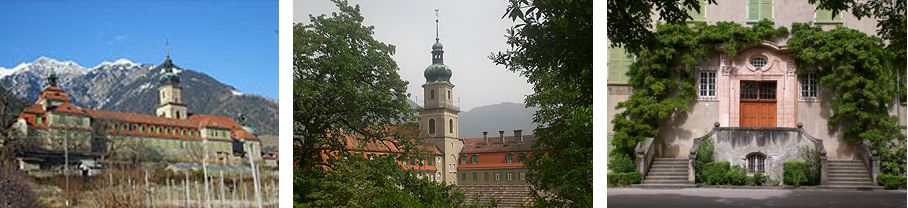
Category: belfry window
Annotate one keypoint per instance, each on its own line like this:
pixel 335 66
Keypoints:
pixel 451 126
pixel 756 162
pixel 431 94
pixel 449 94
pixel 432 126
pixel 809 85
pixel 707 84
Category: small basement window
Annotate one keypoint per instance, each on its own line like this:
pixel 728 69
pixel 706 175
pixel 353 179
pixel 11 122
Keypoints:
pixel 756 162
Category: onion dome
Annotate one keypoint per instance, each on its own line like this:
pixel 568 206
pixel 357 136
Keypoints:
pixel 169 77
pixel 438 71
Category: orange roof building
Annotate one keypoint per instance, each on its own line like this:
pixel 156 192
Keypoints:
pixel 173 134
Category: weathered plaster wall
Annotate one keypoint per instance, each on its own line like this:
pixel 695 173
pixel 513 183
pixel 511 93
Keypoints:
pixel 676 134
pixel 616 94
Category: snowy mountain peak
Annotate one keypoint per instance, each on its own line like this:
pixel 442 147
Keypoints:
pixel 119 62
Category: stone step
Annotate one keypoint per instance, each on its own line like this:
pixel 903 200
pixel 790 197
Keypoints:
pixel 831 165
pixel 844 161
pixel 851 183
pixel 664 170
pixel 670 162
pixel 669 177
pixel 846 167
pixel 669 159
pixel 663 186
pixel 649 174
pixel 863 175
pixel 647 181
pixel 856 179
pixel 668 166
pixel 848 171
pixel 839 187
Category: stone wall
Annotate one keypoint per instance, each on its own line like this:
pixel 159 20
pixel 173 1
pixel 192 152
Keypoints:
pixel 779 145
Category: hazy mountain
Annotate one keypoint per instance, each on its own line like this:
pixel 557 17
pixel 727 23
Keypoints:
pixel 493 118
pixel 132 87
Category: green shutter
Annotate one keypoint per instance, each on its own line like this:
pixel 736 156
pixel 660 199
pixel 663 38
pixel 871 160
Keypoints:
pixel 474 176
pixel 618 64
pixel 698 16
pixel 753 10
pixel 826 16
pixel 39 120
pixel 766 9
pixel 486 176
pixel 463 176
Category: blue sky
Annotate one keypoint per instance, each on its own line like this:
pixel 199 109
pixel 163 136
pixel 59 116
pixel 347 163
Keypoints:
pixel 234 41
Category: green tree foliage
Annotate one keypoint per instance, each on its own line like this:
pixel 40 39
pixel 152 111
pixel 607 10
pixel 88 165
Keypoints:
pixel 891 20
pixel 630 24
pixel 344 83
pixel 346 89
pixel 661 75
pixel 858 70
pixel 553 48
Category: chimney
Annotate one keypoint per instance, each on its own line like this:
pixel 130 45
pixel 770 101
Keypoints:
pixel 485 136
pixel 518 135
pixel 502 136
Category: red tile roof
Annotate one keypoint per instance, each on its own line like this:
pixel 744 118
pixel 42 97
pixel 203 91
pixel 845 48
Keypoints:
pixel 54 93
pixel 511 144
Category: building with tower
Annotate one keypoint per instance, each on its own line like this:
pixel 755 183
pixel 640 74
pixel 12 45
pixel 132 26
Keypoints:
pixel 54 125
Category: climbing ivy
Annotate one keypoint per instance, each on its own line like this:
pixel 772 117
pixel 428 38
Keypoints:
pixel 858 70
pixel 661 75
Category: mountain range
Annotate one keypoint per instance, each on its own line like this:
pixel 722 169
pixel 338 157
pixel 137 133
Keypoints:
pixel 131 87
pixel 493 118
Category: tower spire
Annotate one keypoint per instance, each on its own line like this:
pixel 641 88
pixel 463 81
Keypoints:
pixel 167 47
pixel 436 25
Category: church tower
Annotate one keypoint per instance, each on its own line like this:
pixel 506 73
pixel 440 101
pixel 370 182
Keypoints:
pixel 438 119
pixel 171 105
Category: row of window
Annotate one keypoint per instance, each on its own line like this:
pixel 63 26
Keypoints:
pixel 763 9
pixel 432 95
pixel 433 177
pixel 148 129
pixel 432 126
pixel 409 161
pixel 509 158
pixel 707 85
pixel 510 176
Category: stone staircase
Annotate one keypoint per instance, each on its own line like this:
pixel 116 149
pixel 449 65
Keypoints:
pixel 849 174
pixel 507 195
pixel 666 173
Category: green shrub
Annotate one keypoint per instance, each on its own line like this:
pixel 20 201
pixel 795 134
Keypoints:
pixel 737 175
pixel 622 163
pixel 624 179
pixel 704 155
pixel 794 173
pixel 812 159
pixel 714 172
pixel 757 180
pixel 891 181
pixel 892 161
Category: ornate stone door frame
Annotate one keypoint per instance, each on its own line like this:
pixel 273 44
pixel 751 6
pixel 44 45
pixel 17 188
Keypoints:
pixel 779 68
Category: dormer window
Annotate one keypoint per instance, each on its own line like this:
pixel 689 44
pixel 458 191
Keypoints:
pixel 510 157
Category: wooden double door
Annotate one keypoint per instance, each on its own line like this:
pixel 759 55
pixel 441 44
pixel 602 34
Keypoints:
pixel 758 104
